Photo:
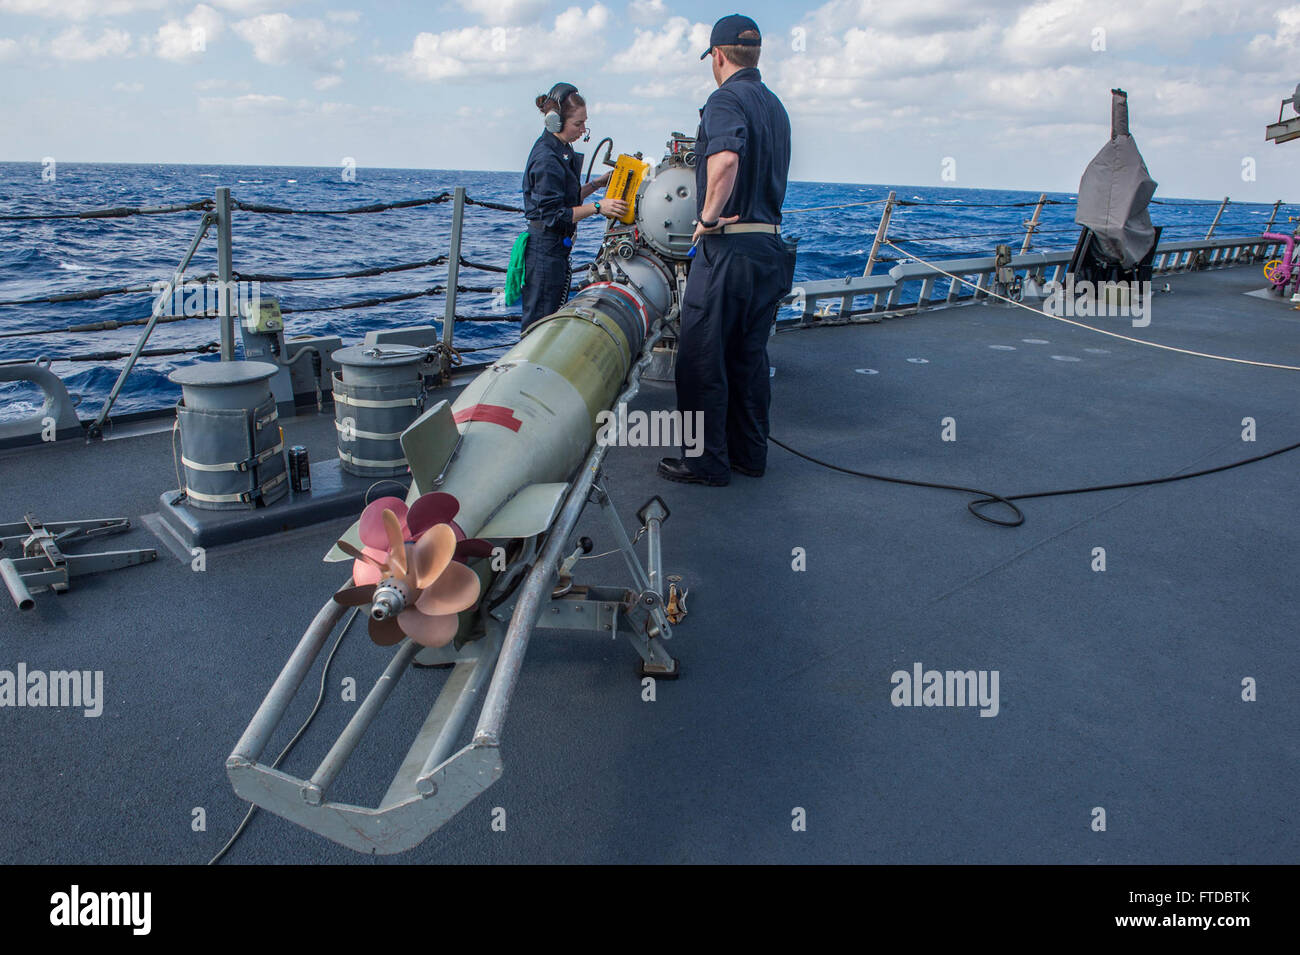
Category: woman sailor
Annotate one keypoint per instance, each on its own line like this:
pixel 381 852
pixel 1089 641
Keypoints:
pixel 554 202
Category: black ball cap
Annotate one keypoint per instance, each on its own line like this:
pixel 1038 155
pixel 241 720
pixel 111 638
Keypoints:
pixel 727 31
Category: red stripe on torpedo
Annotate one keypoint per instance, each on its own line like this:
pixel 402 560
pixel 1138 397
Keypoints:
pixel 493 414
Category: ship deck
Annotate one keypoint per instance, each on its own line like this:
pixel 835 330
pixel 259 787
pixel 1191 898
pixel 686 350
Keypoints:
pixel 1119 689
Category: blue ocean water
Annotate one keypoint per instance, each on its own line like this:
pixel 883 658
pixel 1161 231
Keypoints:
pixel 43 258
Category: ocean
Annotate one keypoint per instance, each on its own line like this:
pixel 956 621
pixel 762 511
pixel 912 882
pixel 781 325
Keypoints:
pixel 50 257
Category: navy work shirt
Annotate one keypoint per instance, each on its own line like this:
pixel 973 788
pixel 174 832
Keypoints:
pixel 552 184
pixel 744 117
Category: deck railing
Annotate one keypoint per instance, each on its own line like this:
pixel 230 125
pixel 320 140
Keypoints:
pixel 910 286
pixel 891 292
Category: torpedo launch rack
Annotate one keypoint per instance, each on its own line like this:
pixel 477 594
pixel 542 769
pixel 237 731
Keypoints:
pixel 499 480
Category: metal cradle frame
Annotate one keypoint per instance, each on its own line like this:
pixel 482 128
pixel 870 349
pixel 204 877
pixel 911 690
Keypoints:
pixel 434 782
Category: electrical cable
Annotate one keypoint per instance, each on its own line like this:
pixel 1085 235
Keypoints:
pixel 320 698
pixel 987 498
pixel 595 153
pixel 990 498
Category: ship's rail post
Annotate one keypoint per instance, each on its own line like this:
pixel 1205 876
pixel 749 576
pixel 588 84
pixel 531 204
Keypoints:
pixel 453 276
pixel 1260 250
pixel 225 273
pixel 1032 225
pixel 1273 216
pixel 95 429
pixel 882 230
pixel 1217 216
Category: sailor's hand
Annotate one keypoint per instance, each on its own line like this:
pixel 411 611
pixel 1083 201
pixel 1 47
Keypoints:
pixel 700 230
pixel 613 208
pixel 602 181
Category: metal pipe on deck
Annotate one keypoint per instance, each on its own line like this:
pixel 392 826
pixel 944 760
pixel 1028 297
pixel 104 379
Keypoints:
pixel 225 273
pixel 453 276
pixel 16 586
pixel 351 736
pixel 536 589
pixel 450 730
pixel 1032 225
pixel 267 718
pixel 1217 216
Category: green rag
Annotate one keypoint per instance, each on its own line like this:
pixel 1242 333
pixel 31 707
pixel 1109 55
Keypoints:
pixel 515 273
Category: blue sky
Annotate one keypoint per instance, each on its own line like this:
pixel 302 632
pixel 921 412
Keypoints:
pixel 1016 94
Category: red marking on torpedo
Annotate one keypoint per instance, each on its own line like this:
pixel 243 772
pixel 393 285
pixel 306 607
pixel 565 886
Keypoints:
pixel 493 414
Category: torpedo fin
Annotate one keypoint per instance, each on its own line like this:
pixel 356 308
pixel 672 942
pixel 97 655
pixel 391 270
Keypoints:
pixel 429 444
pixel 528 513
pixel 353 536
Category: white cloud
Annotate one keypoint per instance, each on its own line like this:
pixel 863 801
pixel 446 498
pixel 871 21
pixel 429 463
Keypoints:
pixel 278 39
pixel 1285 39
pixel 79 9
pixel 299 114
pixel 694 89
pixel 128 87
pixel 217 83
pixel 72 44
pixel 620 109
pixel 250 103
pixel 8 49
pixel 244 7
pixel 327 82
pixel 188 39
pixel 505 12
pixel 673 48
pixel 343 16
pixel 503 51
pixel 647 11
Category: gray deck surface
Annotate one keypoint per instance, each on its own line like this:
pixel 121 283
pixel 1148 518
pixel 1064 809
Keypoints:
pixel 1119 689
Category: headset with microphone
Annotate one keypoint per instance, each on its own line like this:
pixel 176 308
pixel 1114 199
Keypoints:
pixel 553 120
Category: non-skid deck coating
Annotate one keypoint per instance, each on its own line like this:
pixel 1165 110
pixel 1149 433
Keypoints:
pixel 1119 689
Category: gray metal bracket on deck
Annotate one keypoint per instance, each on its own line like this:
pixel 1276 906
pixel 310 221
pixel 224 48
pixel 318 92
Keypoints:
pixel 42 565
pixel 636 613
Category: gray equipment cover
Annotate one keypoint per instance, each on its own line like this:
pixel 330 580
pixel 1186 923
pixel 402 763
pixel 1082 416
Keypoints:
pixel 1114 192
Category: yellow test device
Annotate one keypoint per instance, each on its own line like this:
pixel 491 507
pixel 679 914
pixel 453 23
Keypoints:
pixel 624 182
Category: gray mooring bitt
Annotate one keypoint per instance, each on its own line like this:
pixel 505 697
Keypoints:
pixel 378 393
pixel 231 449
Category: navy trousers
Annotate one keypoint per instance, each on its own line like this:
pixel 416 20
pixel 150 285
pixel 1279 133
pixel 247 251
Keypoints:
pixel 546 275
pixel 734 287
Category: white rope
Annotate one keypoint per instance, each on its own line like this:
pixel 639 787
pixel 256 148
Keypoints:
pixel 1100 331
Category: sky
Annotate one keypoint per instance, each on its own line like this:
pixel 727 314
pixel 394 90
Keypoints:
pixel 985 94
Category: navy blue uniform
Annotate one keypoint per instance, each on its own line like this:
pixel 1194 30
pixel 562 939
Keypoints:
pixel 552 187
pixel 736 282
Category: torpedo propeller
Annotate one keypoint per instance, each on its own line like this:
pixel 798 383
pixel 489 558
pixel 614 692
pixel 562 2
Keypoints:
pixel 408 571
